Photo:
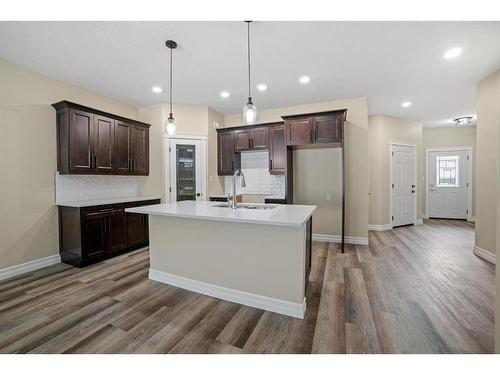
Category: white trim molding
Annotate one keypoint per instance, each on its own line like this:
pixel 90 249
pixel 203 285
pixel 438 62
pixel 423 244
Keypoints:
pixel 470 181
pixel 472 219
pixel 36 264
pixel 295 310
pixel 338 239
pixel 379 227
pixel 483 254
pixel 419 222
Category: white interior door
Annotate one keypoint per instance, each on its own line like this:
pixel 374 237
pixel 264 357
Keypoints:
pixel 403 185
pixel 448 175
pixel 187 170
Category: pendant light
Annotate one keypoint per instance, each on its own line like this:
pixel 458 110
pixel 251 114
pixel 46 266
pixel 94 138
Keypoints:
pixel 170 124
pixel 249 110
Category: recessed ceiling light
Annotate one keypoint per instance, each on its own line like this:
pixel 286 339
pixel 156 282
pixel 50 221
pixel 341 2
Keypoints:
pixel 405 104
pixel 453 53
pixel 224 94
pixel 157 89
pixel 262 87
pixel 304 79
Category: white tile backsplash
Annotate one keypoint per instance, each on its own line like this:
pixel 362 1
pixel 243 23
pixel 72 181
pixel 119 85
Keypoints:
pixel 81 187
pixel 255 167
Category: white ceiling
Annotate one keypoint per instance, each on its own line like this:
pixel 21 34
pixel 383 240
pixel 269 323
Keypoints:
pixel 388 62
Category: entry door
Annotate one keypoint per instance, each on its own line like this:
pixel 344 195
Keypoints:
pixel 186 170
pixel 403 185
pixel 448 175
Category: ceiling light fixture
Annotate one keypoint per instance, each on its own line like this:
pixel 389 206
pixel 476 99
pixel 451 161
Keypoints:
pixel 157 89
pixel 249 110
pixel 170 125
pixel 304 79
pixel 453 53
pixel 464 120
pixel 405 104
pixel 224 94
pixel 262 87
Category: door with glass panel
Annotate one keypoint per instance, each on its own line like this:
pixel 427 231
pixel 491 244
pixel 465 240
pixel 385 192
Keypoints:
pixel 448 184
pixel 186 170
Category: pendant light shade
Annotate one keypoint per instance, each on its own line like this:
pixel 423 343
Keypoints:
pixel 249 110
pixel 170 125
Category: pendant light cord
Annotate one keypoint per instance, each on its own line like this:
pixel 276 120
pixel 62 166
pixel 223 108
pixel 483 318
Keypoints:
pixel 248 50
pixel 171 67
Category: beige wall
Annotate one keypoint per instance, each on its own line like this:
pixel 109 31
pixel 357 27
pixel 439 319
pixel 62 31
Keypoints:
pixel 317 174
pixel 451 137
pixel 381 131
pixel 488 183
pixel 488 112
pixel 28 216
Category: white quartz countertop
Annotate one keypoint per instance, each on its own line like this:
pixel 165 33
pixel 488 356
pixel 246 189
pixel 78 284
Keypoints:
pixel 283 214
pixel 98 202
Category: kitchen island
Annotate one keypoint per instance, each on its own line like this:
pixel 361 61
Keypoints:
pixel 257 255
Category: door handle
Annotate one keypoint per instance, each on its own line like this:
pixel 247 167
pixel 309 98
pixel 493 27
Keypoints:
pixel 413 191
pixel 198 194
pixel 412 186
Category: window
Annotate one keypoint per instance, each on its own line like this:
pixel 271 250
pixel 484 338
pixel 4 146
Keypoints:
pixel 447 171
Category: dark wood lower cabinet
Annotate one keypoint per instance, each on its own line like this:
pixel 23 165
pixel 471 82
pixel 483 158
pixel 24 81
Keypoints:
pixel 91 234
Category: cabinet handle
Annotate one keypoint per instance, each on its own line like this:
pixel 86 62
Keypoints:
pixel 95 162
pixel 133 165
pixel 270 164
pixel 316 135
pixel 109 225
pixel 312 135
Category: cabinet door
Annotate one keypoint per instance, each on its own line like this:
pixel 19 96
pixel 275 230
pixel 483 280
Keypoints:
pixel 259 138
pixel 299 131
pixel 94 237
pixel 81 145
pixel 117 232
pixel 327 129
pixel 140 150
pixel 104 140
pixel 135 229
pixel 242 140
pixel 123 153
pixel 277 150
pixel 225 153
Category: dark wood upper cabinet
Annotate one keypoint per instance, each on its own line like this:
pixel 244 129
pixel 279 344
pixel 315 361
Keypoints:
pixel 140 150
pixel 81 144
pixel 299 131
pixel 250 139
pixel 225 153
pixel 242 140
pixel 327 129
pixel 90 141
pixel 315 128
pixel 277 150
pixel 123 147
pixel 259 138
pixel 104 140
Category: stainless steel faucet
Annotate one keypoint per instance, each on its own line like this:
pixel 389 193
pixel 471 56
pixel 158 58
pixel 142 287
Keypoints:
pixel 234 203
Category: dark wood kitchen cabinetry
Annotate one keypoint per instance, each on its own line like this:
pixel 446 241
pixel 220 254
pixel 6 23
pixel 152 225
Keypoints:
pixel 91 234
pixel 90 141
pixel 315 128
pixel 227 159
pixel 250 139
pixel 277 150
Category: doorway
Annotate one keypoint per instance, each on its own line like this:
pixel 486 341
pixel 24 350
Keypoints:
pixel 403 184
pixel 448 193
pixel 187 169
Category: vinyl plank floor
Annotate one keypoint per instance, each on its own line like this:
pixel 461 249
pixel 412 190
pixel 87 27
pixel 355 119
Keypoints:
pixel 411 290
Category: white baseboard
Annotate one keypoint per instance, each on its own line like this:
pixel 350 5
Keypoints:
pixel 295 310
pixel 419 222
pixel 486 255
pixel 8 272
pixel 338 239
pixel 472 219
pixel 425 216
pixel 379 227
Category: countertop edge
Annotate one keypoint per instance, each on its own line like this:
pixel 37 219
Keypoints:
pixel 90 203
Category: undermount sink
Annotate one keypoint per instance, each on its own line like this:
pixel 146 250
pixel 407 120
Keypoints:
pixel 248 206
